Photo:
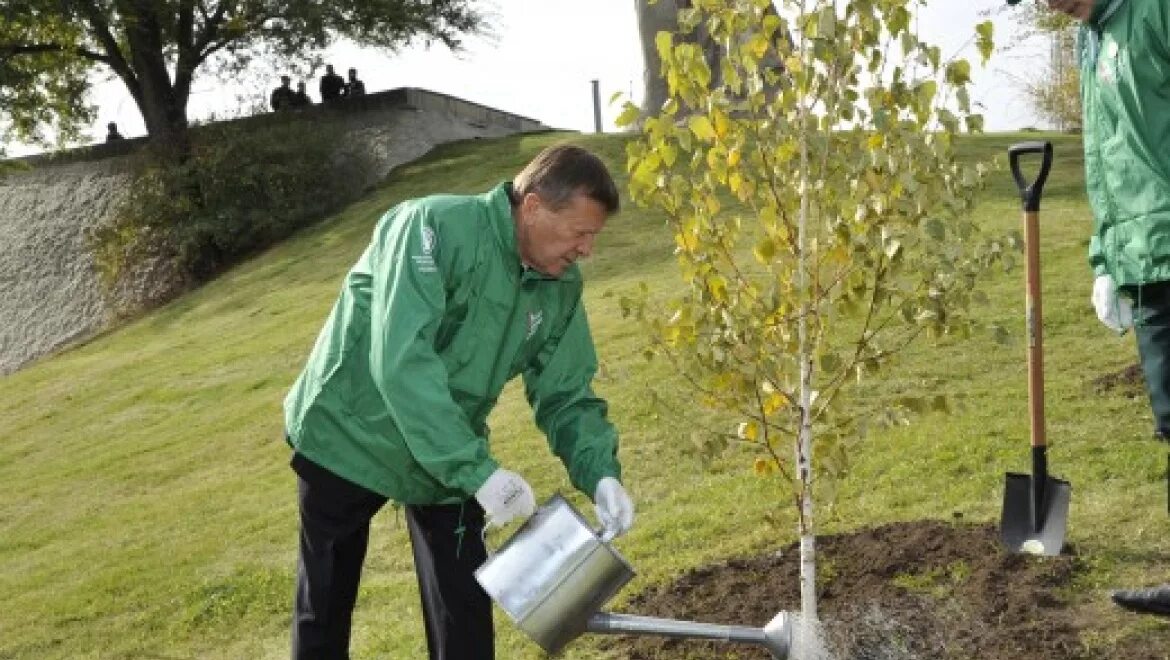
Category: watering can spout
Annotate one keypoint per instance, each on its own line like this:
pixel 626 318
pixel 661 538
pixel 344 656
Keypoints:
pixel 776 636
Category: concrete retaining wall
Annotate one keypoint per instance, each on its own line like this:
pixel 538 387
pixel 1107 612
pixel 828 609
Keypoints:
pixel 49 291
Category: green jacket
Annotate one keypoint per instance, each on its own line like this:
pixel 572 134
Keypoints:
pixel 432 321
pixel 1125 88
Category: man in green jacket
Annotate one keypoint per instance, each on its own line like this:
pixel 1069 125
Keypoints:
pixel 1125 91
pixel 453 297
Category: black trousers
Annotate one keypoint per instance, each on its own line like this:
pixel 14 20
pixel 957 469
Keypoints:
pixel 335 529
pixel 1152 326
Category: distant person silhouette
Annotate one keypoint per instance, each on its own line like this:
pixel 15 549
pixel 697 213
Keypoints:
pixel 301 97
pixel 283 97
pixel 354 87
pixel 332 85
pixel 112 134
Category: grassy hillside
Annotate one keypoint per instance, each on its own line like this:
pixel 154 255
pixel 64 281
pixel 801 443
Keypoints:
pixel 147 510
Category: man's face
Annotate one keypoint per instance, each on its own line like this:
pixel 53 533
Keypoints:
pixel 551 241
pixel 1079 9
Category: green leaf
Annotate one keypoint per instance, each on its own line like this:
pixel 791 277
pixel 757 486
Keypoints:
pixel 985 41
pixel 936 229
pixel 899 20
pixel 829 363
pixel 985 30
pixel 827 22
pixel 959 72
pixel 925 93
pixel 765 250
pixel 669 154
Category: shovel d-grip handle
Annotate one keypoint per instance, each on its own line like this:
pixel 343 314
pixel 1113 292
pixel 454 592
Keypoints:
pixel 1030 193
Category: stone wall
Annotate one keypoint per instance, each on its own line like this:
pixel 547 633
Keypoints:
pixel 49 291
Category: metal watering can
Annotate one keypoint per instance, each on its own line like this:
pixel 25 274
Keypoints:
pixel 556 573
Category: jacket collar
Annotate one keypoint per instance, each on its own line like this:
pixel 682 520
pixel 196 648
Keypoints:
pixel 1103 10
pixel 499 204
pixel 1089 36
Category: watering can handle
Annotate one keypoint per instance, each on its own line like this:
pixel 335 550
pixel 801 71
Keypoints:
pixel 600 532
pixel 1030 192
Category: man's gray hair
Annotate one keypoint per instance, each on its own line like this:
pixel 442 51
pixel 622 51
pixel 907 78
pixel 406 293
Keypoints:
pixel 564 170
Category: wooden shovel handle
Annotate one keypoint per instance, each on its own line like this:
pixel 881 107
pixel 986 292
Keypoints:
pixel 1035 320
pixel 1030 194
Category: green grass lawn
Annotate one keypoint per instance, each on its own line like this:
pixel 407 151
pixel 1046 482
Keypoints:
pixel 147 510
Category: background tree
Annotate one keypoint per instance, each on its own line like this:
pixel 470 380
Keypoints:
pixel 39 85
pixel 51 50
pixel 820 218
pixel 654 16
pixel 1053 89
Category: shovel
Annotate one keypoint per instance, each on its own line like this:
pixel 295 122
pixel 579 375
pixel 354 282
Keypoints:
pixel 1035 506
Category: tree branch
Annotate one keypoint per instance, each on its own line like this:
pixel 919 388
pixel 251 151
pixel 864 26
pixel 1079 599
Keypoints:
pixel 99 29
pixel 14 50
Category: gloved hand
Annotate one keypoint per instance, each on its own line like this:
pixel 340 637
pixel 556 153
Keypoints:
pixel 504 496
pixel 1115 311
pixel 615 509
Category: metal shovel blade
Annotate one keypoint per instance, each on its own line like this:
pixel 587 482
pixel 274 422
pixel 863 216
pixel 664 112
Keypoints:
pixel 1034 522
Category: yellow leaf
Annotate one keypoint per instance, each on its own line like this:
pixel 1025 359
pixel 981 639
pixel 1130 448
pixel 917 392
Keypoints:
pixel 763 467
pixel 717 285
pixel 671 335
pixel 645 173
pixel 748 431
pixel 758 45
pixel 713 205
pixel 687 242
pixel 628 116
pixel 773 403
pixel 664 41
pixel 702 128
pixel 722 124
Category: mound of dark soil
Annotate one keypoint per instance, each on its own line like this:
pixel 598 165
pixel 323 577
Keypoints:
pixel 923 590
pixel 1128 381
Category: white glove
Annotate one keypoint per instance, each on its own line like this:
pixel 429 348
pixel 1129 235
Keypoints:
pixel 615 509
pixel 504 496
pixel 1115 311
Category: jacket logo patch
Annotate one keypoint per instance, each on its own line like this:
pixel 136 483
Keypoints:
pixel 428 240
pixel 534 319
pixel 425 263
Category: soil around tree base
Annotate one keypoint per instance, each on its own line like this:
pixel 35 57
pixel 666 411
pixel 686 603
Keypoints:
pixel 924 590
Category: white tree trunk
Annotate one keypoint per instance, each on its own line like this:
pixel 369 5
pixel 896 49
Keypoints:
pixel 808 566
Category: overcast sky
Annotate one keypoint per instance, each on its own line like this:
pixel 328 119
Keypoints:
pixel 546 52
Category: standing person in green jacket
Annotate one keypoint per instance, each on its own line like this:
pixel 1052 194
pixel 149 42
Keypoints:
pixel 454 296
pixel 1125 91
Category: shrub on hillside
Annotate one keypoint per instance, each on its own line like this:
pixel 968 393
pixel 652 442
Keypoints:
pixel 239 192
